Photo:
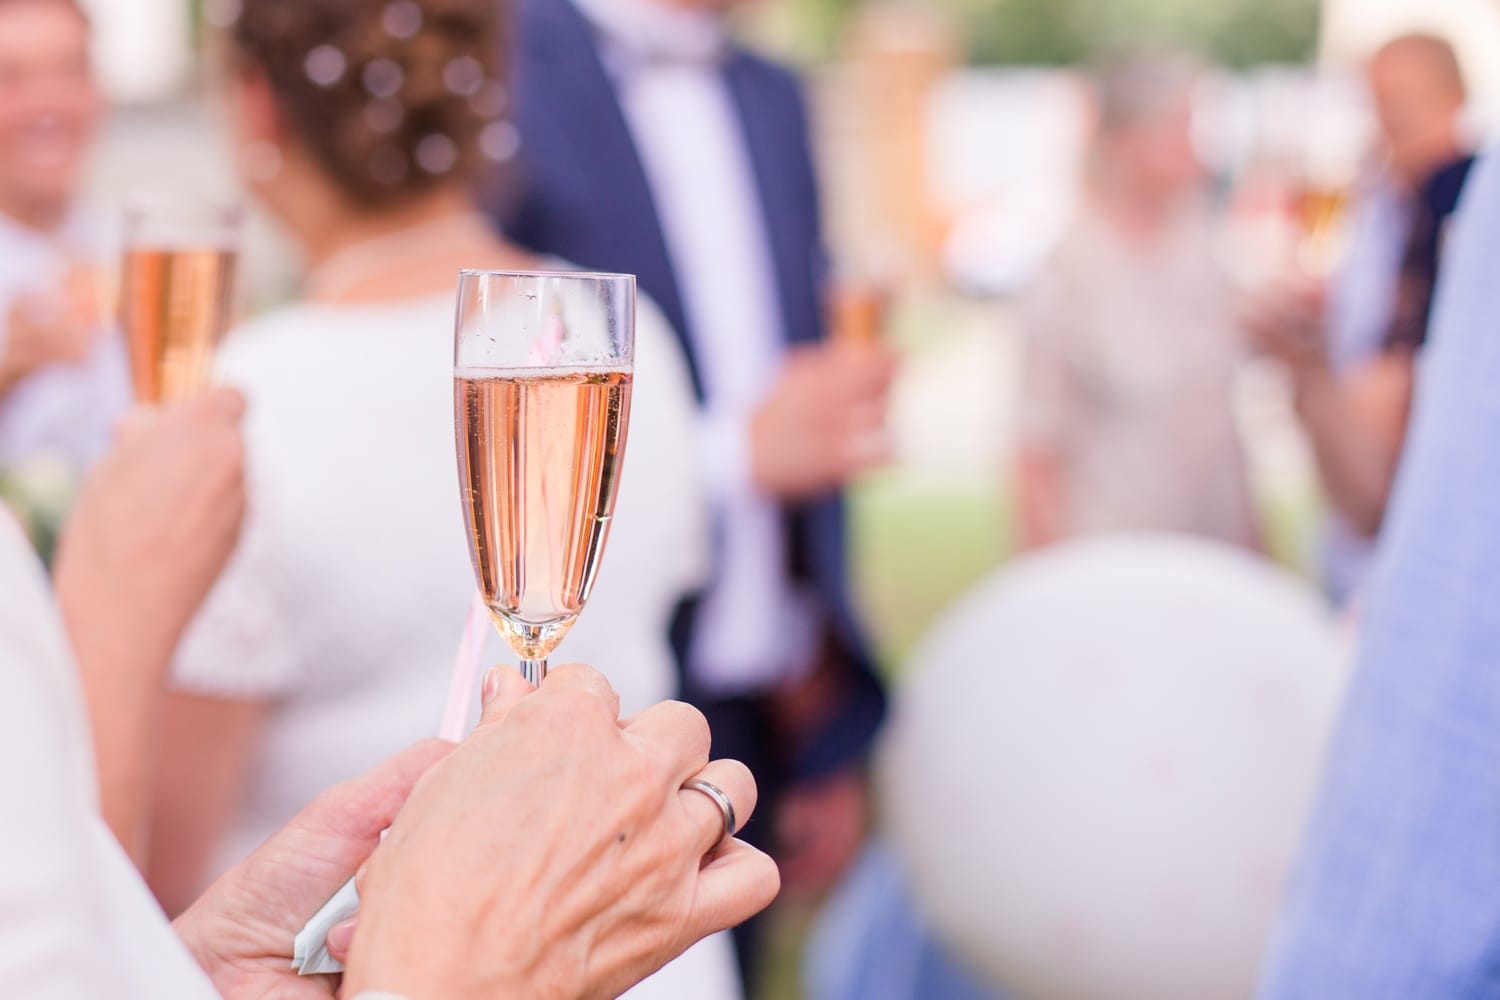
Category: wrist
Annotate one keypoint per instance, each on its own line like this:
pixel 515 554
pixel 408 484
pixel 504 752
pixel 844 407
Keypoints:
pixel 192 930
pixel 121 649
pixel 430 961
pixel 10 375
pixel 1312 379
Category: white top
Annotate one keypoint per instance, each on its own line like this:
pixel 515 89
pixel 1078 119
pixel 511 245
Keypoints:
pixel 344 604
pixel 75 918
pixel 59 412
pixel 754 627
pixel 1131 351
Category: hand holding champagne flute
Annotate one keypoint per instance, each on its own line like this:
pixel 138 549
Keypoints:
pixel 542 370
pixel 543 364
pixel 175 293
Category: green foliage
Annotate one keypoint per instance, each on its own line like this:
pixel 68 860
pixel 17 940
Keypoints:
pixel 1060 32
pixel 1234 32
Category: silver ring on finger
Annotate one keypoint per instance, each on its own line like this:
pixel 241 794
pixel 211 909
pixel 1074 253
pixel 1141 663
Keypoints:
pixel 720 799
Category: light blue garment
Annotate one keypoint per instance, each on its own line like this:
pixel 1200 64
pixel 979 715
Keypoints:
pixel 1362 299
pixel 871 944
pixel 1398 891
pixel 1361 306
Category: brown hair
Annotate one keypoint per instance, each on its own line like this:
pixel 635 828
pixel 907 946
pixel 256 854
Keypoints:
pixel 391 98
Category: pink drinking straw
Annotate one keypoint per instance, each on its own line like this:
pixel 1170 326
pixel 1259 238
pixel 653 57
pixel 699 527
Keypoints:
pixel 465 673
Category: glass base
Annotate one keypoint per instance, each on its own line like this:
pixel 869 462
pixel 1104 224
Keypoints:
pixel 532 643
pixel 534 671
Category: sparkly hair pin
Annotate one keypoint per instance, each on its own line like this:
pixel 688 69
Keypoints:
pixel 383 78
pixel 500 141
pixel 489 101
pixel 464 76
pixel 401 19
pixel 384 116
pixel 436 153
pixel 325 65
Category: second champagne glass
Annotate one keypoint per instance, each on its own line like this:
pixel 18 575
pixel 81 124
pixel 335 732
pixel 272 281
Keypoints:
pixel 543 365
pixel 175 292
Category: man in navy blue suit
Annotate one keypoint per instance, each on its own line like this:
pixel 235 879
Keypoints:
pixel 651 144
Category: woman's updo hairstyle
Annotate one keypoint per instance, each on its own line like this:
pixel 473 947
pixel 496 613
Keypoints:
pixel 392 97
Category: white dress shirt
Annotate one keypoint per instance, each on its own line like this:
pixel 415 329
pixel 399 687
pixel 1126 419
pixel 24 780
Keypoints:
pixel 75 918
pixel 63 412
pixel 754 627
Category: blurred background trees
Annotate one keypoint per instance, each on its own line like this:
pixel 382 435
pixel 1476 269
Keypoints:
pixel 1234 33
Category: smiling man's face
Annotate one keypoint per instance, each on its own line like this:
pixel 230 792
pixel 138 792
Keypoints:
pixel 49 105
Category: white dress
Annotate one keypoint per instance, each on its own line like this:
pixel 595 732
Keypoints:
pixel 75 918
pixel 344 604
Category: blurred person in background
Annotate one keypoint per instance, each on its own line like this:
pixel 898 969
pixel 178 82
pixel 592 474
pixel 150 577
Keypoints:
pixel 650 142
pixel 63 378
pixel 1351 349
pixel 1131 342
pixel 327 642
pixel 153 527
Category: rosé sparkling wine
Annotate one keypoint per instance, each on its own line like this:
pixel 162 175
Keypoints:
pixel 539 457
pixel 174 307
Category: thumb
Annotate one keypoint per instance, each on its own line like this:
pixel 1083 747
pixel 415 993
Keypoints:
pixel 503 689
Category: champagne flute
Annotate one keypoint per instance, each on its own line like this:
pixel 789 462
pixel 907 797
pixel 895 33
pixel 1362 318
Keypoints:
pixel 175 292
pixel 543 364
pixel 542 369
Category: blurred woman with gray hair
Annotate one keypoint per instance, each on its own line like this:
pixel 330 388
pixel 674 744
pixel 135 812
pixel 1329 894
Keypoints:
pixel 1130 339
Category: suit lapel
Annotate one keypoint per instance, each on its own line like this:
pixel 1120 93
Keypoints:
pixel 765 140
pixel 576 75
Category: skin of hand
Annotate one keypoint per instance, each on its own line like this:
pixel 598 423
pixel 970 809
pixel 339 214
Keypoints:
pixel 154 525
pixel 824 420
pixel 156 521
pixel 1355 420
pixel 555 853
pixel 1288 325
pixel 1039 499
pixel 240 931
pixel 50 329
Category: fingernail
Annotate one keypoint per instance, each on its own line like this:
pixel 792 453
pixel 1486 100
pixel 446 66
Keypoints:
pixel 341 936
pixel 491 687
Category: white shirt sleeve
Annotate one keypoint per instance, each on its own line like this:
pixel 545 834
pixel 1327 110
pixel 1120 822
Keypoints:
pixel 75 921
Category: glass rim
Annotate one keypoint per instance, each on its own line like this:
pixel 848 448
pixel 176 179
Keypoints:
pixel 482 272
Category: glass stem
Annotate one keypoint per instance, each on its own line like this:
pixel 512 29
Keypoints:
pixel 535 671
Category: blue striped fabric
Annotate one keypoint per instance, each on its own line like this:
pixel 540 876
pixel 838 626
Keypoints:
pixel 1398 890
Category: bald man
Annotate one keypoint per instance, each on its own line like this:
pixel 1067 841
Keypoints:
pixel 1351 352
pixel 1420 95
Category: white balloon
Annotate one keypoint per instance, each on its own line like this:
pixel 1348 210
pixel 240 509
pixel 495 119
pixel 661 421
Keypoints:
pixel 1099 769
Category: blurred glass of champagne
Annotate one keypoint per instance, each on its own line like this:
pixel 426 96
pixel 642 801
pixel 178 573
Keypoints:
pixel 175 293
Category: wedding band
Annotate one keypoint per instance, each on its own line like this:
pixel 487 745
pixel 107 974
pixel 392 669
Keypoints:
pixel 721 800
